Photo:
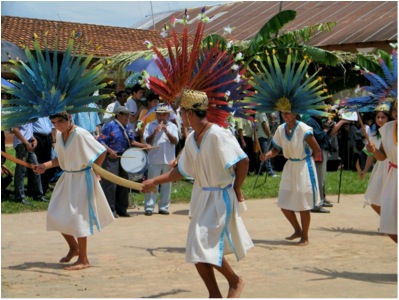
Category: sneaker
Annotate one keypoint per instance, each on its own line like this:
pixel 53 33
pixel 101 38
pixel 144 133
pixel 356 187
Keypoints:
pixel 319 209
pixel 148 213
pixel 25 202
pixel 163 212
pixel 274 175
pixel 327 204
pixel 42 198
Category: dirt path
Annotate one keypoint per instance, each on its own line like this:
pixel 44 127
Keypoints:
pixel 143 257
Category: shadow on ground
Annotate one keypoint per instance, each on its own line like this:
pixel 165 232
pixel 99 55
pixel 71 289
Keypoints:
pixel 367 277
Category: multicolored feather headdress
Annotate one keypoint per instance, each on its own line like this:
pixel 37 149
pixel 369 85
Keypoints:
pixel 49 87
pixel 288 90
pixel 196 67
pixel 381 91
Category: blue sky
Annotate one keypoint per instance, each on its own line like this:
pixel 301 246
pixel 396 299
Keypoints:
pixel 112 13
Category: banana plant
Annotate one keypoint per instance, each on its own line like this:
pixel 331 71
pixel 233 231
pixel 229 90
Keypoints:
pixel 269 38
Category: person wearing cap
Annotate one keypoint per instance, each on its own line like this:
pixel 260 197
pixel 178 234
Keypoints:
pixel 117 136
pixel 162 134
pixel 213 157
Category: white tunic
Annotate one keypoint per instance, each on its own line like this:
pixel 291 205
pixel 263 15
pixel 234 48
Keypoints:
pixel 216 227
pixel 389 193
pixel 377 178
pixel 72 210
pixel 298 187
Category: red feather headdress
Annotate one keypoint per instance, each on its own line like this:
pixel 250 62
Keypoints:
pixel 190 65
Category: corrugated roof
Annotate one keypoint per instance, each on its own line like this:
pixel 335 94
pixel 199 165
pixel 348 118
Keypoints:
pixel 359 23
pixel 105 40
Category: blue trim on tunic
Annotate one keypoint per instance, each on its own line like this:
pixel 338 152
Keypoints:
pixel 276 146
pixel 70 139
pixel 289 136
pixel 232 163
pixel 225 231
pixel 307 133
pixel 203 139
pixel 312 174
pixel 182 172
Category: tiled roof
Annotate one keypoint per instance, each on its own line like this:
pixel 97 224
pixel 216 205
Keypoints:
pixel 105 40
pixel 359 23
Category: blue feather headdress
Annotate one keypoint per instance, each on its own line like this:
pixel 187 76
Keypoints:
pixel 49 87
pixel 288 90
pixel 381 91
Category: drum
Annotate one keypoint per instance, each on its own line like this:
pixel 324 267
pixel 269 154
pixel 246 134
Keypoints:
pixel 135 162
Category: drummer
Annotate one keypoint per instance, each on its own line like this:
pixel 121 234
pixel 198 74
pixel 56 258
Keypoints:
pixel 117 136
pixel 163 134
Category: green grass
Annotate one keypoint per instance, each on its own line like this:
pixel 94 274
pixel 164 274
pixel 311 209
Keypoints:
pixel 181 190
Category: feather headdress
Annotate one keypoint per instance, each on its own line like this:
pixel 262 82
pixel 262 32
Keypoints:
pixel 381 91
pixel 49 87
pixel 196 67
pixel 288 90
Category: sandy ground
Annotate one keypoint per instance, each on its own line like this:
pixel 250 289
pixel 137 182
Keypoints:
pixel 143 257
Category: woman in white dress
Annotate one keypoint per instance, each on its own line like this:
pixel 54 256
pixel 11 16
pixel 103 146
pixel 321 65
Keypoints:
pixel 78 203
pixel 377 177
pixel 298 188
pixel 388 150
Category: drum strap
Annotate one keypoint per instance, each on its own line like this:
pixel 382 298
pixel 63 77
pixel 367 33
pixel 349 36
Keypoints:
pixel 124 132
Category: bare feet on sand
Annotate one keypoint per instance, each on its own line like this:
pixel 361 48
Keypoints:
pixel 294 236
pixel 71 254
pixel 303 242
pixel 235 291
pixel 78 266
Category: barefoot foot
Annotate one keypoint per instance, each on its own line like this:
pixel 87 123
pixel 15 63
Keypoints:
pixel 303 242
pixel 77 266
pixel 71 254
pixel 294 236
pixel 235 291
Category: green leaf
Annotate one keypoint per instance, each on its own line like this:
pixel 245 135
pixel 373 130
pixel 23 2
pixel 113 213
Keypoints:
pixel 272 26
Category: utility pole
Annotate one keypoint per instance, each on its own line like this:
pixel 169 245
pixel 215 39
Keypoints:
pixel 152 16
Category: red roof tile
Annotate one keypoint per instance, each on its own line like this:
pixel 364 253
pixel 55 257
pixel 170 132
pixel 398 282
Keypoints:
pixel 105 40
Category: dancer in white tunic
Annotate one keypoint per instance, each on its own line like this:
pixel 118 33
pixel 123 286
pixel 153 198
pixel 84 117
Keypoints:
pixel 299 190
pixel 78 203
pixel 372 196
pixel 213 157
pixel 389 195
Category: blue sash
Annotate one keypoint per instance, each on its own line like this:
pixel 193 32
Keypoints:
pixel 225 231
pixel 92 215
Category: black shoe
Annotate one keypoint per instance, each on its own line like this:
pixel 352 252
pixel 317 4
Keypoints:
pixel 320 210
pixel 327 204
pixel 148 213
pixel 25 202
pixel 42 198
pixel 124 215
pixel 163 212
